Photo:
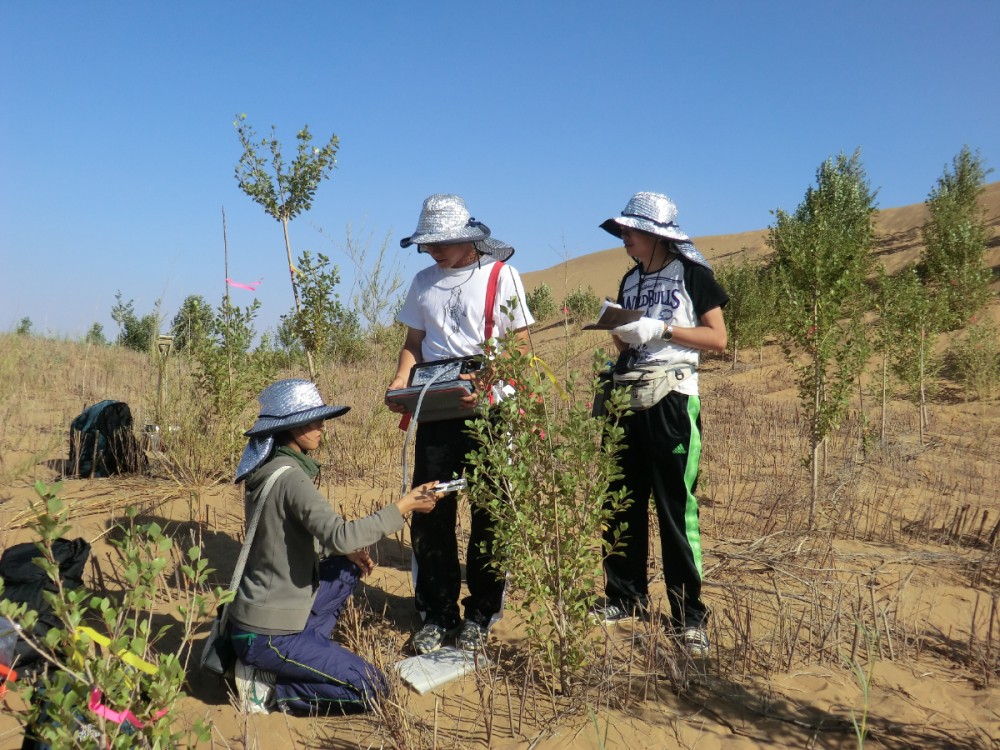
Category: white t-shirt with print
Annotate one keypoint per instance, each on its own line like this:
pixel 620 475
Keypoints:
pixel 448 305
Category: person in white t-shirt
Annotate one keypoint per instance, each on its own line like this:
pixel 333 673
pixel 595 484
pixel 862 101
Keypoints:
pixel 681 303
pixel 445 316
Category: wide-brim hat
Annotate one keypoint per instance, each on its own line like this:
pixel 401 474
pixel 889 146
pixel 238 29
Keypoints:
pixel 283 405
pixel 654 213
pixel 495 248
pixel 291 403
pixel 445 220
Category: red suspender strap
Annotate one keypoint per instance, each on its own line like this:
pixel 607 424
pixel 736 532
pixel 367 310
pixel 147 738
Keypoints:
pixel 491 298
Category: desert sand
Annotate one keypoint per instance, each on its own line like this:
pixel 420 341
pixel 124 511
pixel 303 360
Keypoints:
pixel 900 577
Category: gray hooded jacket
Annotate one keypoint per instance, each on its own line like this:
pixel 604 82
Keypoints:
pixel 282 572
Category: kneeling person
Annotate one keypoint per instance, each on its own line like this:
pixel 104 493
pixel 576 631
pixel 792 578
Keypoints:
pixel 290 597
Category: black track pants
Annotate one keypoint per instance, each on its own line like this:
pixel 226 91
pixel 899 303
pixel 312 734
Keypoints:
pixel 440 452
pixel 662 449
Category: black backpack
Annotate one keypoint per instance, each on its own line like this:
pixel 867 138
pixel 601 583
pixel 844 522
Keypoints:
pixel 25 583
pixel 102 443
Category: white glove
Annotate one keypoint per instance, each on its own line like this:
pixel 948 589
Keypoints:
pixel 641 331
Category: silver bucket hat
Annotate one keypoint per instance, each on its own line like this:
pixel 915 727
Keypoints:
pixel 283 405
pixel 445 220
pixel 654 213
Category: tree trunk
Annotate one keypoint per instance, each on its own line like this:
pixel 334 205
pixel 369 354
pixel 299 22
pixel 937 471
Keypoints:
pixel 815 483
pixel 885 395
pixel 862 418
pixel 817 438
pixel 225 253
pixel 923 401
pixel 295 295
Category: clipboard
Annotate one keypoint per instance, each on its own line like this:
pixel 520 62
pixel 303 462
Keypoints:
pixel 612 316
pixel 443 399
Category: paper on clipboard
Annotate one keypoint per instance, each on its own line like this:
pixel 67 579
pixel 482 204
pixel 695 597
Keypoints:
pixel 612 316
pixel 428 671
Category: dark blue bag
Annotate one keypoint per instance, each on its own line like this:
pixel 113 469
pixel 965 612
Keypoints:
pixel 102 442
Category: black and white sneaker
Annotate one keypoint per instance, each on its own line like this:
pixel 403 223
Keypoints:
pixel 610 613
pixel 472 636
pixel 430 638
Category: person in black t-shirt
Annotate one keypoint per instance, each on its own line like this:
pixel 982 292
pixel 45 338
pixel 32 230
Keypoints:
pixel 682 303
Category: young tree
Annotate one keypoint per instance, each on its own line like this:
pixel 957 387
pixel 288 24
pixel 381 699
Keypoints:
pixel 955 239
pixel 228 376
pixel 193 322
pixel 95 335
pixel 542 469
pixel 823 259
pixel 24 327
pixel 885 300
pixel 140 333
pixel 323 325
pixel 976 359
pixel 122 313
pixel 915 322
pixel 107 645
pixel 283 191
pixel 750 311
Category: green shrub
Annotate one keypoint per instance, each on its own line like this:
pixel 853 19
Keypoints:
pixel 541 302
pixel 324 325
pixel 976 360
pixel 144 554
pixel 542 470
pixel 582 305
pixel 226 379
pixel 750 314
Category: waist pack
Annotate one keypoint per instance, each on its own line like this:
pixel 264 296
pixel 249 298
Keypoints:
pixel 648 384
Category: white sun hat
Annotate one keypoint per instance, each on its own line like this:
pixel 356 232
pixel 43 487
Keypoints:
pixel 445 220
pixel 283 405
pixel 654 213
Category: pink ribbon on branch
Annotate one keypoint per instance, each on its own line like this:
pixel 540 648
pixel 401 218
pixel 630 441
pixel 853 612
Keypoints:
pixel 116 717
pixel 251 287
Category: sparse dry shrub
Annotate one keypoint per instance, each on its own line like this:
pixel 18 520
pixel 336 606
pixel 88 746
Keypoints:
pixel 749 455
pixel 364 444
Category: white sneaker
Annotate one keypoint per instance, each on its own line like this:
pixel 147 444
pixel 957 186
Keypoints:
pixel 255 688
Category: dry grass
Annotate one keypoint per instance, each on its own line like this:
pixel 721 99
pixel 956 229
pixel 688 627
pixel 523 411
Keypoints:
pixel 906 549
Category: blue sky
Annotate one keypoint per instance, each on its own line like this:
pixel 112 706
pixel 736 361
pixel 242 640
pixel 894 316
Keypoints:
pixel 117 147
